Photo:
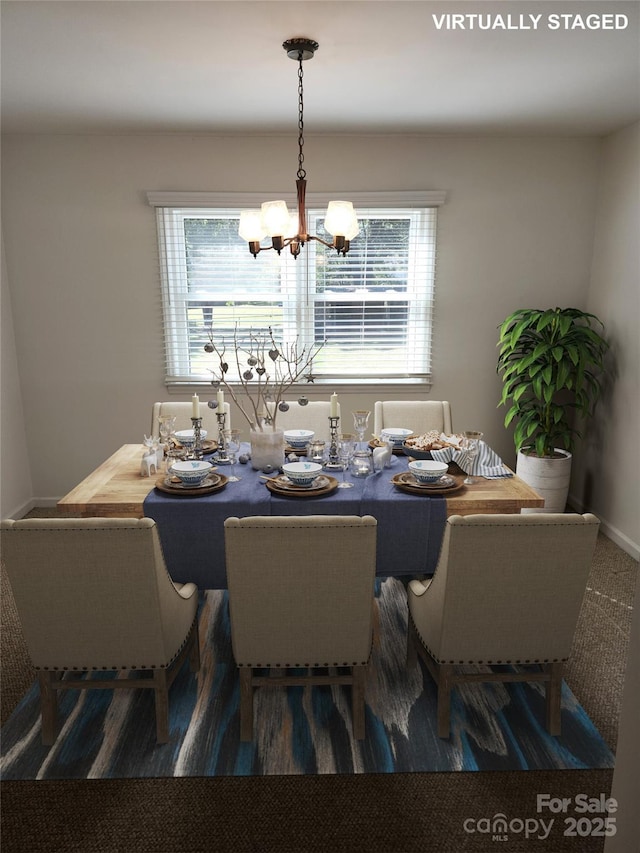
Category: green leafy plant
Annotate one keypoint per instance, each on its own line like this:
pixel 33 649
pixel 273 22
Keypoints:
pixel 552 368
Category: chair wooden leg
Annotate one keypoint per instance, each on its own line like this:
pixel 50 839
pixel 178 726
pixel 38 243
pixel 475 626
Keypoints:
pixel 553 695
pixel 357 702
pixel 161 692
pixel 194 652
pixel 48 706
pixel 246 703
pixel 445 684
pixel 412 654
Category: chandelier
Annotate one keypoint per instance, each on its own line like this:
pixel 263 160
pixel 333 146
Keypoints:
pixel 274 219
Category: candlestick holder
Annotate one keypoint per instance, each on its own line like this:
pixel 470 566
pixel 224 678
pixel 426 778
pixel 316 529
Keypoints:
pixel 333 462
pixel 221 456
pixel 196 453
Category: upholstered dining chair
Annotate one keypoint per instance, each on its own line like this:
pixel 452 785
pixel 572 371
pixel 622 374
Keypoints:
pixel 93 595
pixel 418 415
pixel 301 596
pixel 182 413
pixel 315 416
pixel 507 590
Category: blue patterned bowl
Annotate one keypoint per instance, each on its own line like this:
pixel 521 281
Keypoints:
pixel 187 437
pixel 427 471
pixel 298 438
pixel 191 472
pixel 302 473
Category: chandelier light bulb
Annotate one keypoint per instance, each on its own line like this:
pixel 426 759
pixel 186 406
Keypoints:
pixel 275 218
pixel 292 228
pixel 341 220
pixel 251 228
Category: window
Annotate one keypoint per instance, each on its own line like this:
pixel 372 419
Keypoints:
pixel 371 310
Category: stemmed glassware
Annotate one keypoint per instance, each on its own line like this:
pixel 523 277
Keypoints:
pixel 471 444
pixel 232 442
pixel 167 424
pixel 360 421
pixel 346 446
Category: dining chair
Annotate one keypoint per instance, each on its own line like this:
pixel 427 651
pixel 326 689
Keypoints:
pixel 315 416
pixel 301 595
pixel 182 413
pixel 506 592
pixel 421 416
pixel 93 596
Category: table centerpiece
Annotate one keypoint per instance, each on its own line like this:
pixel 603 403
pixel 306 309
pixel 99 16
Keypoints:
pixel 264 369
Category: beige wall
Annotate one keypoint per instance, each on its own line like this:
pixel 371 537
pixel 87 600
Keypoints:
pixel 16 488
pixel 516 230
pixel 606 470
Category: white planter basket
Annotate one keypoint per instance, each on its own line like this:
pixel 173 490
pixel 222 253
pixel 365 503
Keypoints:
pixel 548 476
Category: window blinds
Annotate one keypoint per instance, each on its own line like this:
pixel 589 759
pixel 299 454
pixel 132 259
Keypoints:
pixel 370 312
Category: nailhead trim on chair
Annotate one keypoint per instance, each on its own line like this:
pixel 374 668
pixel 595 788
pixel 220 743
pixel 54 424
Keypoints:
pixel 300 665
pixel 491 662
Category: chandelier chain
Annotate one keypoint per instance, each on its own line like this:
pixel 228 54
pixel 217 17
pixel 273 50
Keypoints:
pixel 301 171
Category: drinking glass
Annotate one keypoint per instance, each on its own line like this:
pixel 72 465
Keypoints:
pixel 346 446
pixel 232 442
pixel 470 443
pixel 167 425
pixel 362 463
pixel 360 421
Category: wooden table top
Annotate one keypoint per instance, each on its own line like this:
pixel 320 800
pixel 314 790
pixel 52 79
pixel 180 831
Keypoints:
pixel 116 490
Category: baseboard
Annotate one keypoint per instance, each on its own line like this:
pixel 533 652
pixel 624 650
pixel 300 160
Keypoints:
pixel 21 511
pixel 620 539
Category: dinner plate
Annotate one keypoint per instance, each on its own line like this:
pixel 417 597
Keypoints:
pixel 322 485
pixel 445 485
pixel 212 483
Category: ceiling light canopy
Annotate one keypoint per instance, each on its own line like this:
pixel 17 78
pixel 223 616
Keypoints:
pixel 274 219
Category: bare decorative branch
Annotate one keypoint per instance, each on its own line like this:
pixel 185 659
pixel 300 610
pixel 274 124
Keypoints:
pixel 266 370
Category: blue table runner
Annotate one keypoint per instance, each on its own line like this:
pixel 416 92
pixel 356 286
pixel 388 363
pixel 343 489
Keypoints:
pixel 410 527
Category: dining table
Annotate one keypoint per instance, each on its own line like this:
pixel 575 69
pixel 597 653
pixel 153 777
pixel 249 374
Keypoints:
pixel 191 524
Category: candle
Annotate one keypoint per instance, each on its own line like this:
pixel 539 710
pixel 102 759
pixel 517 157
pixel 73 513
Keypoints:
pixel 334 405
pixel 221 400
pixel 195 406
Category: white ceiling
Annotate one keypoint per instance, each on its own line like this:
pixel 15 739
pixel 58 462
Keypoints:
pixel 382 66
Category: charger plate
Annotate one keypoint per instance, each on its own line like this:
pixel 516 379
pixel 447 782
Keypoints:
pixel 299 451
pixel 408 483
pixel 212 483
pixel 323 485
pixel 208 445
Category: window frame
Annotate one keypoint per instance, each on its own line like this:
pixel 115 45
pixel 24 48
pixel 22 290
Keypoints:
pixel 167 203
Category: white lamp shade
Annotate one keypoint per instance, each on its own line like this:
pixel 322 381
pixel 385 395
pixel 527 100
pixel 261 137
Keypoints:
pixel 341 220
pixel 292 228
pixel 275 218
pixel 251 228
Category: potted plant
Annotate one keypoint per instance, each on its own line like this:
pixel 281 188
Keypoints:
pixel 551 363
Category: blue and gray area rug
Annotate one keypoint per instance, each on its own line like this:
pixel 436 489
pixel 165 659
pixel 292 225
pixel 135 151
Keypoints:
pixel 108 734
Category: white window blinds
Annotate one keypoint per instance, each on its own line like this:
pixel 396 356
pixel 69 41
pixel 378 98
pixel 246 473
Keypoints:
pixel 372 310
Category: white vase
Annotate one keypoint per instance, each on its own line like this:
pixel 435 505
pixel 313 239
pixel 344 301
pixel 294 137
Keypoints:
pixel 549 476
pixel 267 449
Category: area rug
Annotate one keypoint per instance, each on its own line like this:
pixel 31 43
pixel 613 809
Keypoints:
pixel 107 734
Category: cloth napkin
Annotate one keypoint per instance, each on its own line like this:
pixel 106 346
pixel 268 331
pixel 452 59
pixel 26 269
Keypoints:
pixel 486 464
